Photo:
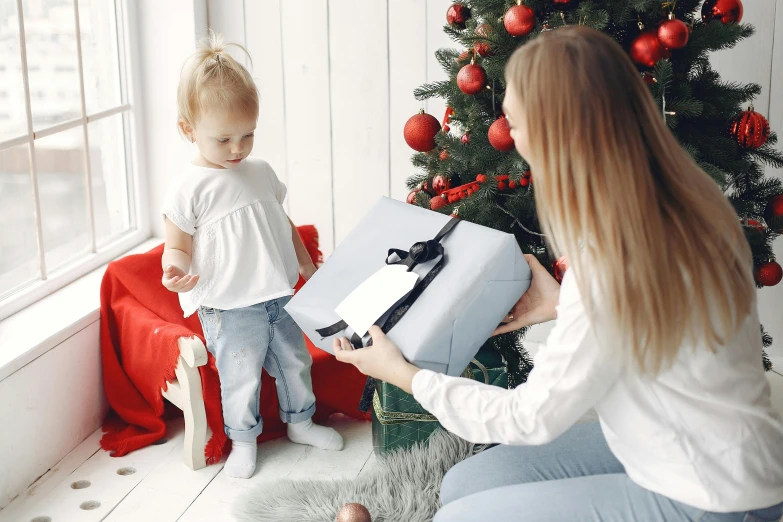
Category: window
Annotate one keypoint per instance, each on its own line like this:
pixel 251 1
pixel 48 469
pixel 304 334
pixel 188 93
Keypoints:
pixel 67 201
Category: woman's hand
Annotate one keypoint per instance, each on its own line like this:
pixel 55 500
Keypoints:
pixel 538 304
pixel 307 271
pixel 176 280
pixel 383 360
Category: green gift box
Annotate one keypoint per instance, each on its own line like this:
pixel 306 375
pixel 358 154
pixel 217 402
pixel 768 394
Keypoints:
pixel 398 421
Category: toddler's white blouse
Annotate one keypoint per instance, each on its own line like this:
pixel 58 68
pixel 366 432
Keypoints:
pixel 242 246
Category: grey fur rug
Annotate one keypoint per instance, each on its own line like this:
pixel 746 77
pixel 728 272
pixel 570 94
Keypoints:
pixel 403 486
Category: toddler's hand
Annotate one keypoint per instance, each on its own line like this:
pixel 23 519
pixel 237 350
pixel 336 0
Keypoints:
pixel 307 271
pixel 176 280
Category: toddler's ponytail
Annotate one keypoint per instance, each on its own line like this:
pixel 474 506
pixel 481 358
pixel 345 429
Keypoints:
pixel 212 78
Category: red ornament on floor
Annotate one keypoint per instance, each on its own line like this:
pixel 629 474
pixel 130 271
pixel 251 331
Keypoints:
pixel 519 20
pixel 673 33
pixel 482 48
pixel 500 135
pixel 471 79
pixel 647 49
pixel 353 513
pixel 559 268
pixel 457 15
pixel 773 214
pixel 420 131
pixel 750 129
pixel 769 273
pixel 727 11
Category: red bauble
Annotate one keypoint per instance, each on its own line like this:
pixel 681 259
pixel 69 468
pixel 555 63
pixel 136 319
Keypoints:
pixel 502 185
pixel 440 184
pixel 465 139
pixel 444 155
pixel 512 184
pixel 471 79
pixel 564 5
pixel 438 202
pixel 420 131
pixel 769 273
pixel 519 20
pixel 353 513
pixel 457 15
pixel 481 178
pixel 773 214
pixel 482 48
pixel 727 11
pixel 559 268
pixel 646 49
pixel 411 199
pixel 524 182
pixel 463 57
pixel 500 135
pixel 750 129
pixel 755 224
pixel 673 33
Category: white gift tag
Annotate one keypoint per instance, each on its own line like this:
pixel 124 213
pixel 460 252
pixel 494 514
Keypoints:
pixel 373 298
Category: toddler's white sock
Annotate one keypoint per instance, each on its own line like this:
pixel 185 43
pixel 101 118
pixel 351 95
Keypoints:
pixel 314 435
pixel 241 461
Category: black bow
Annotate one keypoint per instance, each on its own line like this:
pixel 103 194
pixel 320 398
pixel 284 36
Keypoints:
pixel 420 252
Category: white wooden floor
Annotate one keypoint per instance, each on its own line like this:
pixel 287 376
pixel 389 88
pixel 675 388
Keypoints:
pixel 154 485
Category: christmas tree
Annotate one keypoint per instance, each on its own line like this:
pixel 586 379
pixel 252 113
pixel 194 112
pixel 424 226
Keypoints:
pixel 468 166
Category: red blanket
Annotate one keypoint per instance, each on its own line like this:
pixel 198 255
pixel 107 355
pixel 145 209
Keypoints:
pixel 140 324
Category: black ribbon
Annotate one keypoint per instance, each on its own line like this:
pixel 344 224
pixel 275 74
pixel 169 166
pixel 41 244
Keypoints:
pixel 419 253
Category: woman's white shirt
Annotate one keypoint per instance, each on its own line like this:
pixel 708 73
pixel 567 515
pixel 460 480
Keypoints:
pixel 702 433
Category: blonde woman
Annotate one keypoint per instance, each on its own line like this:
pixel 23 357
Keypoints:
pixel 656 323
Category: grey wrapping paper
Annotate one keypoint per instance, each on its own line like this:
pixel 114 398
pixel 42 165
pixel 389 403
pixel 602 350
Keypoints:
pixel 483 276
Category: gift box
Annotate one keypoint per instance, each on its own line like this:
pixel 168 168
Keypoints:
pixel 398 421
pixel 467 277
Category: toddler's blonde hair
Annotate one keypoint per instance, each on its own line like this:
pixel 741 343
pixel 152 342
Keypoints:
pixel 212 78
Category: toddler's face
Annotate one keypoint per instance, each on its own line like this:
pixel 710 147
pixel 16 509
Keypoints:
pixel 223 138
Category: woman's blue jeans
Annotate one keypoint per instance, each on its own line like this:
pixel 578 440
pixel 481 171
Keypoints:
pixel 574 478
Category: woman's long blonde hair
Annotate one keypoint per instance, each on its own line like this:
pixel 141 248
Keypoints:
pixel 658 252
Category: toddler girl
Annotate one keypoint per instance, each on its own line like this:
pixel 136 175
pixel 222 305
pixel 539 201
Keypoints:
pixel 234 257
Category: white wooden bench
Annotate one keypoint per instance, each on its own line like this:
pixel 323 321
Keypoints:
pixel 186 394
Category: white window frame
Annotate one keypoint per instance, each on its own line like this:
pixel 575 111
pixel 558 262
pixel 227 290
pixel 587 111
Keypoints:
pixel 139 231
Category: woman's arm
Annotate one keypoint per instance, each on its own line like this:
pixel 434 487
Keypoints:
pixel 177 252
pixel 306 266
pixel 571 374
